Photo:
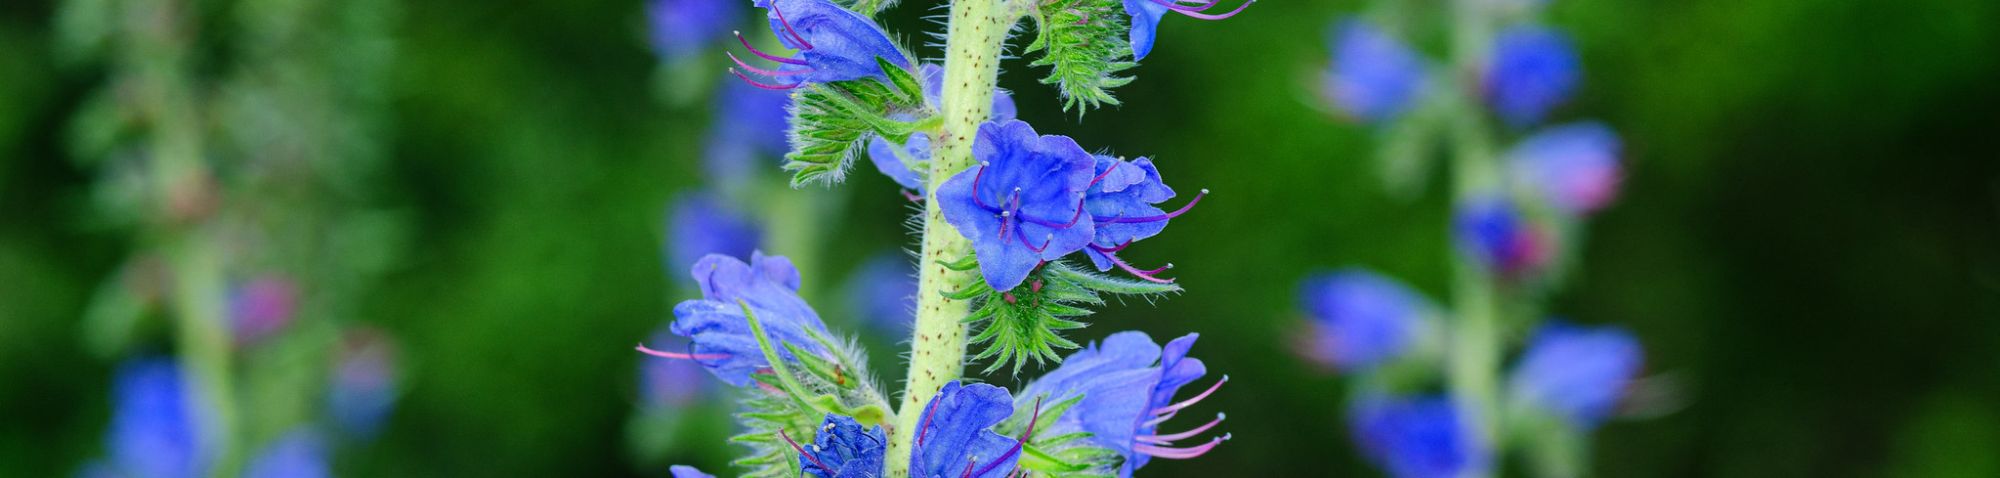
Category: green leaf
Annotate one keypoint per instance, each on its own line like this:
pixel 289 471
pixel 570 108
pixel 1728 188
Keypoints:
pixel 1084 44
pixel 831 123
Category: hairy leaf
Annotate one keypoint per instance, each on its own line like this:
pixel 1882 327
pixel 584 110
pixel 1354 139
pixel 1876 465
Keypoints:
pixel 1083 43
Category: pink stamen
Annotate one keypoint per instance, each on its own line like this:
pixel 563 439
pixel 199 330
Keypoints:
pixel 1141 274
pixel 767 86
pixel 642 349
pixel 1197 398
pixel 1207 16
pixel 1177 212
pixel 1031 247
pixel 1017 443
pixel 802 452
pixel 795 33
pixel 1109 250
pixel 1179 453
pixel 1107 172
pixel 1169 439
pixel 923 428
pixel 913 197
pixel 968 467
pixel 1157 421
pixel 1072 219
pixel 767 56
pixel 761 71
pixel 976 198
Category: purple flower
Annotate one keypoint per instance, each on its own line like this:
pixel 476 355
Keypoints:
pixel 1534 69
pixel 1573 166
pixel 1146 16
pixel 682 28
pixel 296 454
pixel 1023 204
pixel 670 383
pixel 1361 319
pixel 702 225
pixel 723 342
pixel 901 164
pixel 1120 202
pixel 883 293
pixel 842 449
pixel 956 438
pixel 156 425
pixel 262 307
pixel 1417 437
pixel 364 388
pixel 1128 386
pixel 749 132
pixel 1492 231
pixel 1577 373
pixel 834 44
pixel 1374 77
pixel 684 471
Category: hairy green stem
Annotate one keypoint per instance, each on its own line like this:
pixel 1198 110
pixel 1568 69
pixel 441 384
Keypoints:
pixel 974 37
pixel 1474 362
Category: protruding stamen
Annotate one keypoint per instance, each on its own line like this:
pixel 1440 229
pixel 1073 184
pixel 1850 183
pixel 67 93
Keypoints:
pixel 1197 398
pixel 1208 16
pixel 1136 272
pixel 802 452
pixel 767 56
pixel 976 177
pixel 1179 453
pixel 1157 421
pixel 1073 219
pixel 767 86
pixel 687 356
pixel 1171 438
pixel 968 467
pixel 1110 250
pixel 924 427
pixel 761 71
pixel 1107 172
pixel 1177 212
pixel 1005 217
pixel 1038 250
pixel 1017 443
pixel 794 33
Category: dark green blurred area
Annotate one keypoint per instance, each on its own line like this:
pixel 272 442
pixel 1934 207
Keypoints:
pixel 1808 239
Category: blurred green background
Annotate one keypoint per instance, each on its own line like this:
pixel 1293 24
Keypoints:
pixel 1808 239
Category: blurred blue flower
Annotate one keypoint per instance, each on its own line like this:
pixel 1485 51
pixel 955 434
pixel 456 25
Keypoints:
pixel 1417 437
pixel 1360 318
pixel 1146 16
pixel 883 294
pixel 261 308
pixel 1120 202
pixel 156 424
pixel 1023 203
pixel 1374 77
pixel 364 389
pixel 1534 69
pixel 681 29
pixel 701 225
pixel 1128 386
pixel 297 454
pixel 1573 166
pixel 833 44
pixel 1491 230
pixel 749 132
pixel 843 449
pixel 1577 373
pixel 684 471
pixel 917 149
pixel 670 384
pixel 769 286
pixel 956 438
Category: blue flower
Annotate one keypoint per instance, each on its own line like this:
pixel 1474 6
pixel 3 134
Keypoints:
pixel 156 425
pixel 901 165
pixel 883 293
pixel 363 392
pixel 1128 386
pixel 1361 319
pixel 702 225
pixel 842 449
pixel 1573 166
pixel 296 454
pixel 1534 69
pixel 683 28
pixel 1023 204
pixel 955 438
pixel 684 471
pixel 1577 373
pixel 1417 437
pixel 1374 77
pixel 834 44
pixel 670 383
pixel 1120 202
pixel 1492 231
pixel 749 133
pixel 716 323
pixel 1146 16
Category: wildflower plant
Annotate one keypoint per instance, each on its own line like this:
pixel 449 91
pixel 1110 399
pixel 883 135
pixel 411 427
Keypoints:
pixel 1013 223
pixel 1430 395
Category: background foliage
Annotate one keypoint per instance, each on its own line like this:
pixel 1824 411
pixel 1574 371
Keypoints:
pixel 1806 243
